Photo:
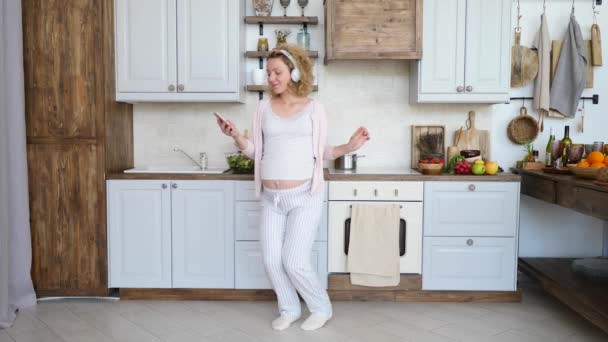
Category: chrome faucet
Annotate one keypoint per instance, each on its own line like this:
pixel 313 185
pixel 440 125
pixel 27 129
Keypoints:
pixel 202 163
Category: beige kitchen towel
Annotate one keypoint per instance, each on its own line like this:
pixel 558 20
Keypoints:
pixel 542 86
pixel 373 253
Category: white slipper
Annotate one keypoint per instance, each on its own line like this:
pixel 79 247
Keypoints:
pixel 283 322
pixel 314 322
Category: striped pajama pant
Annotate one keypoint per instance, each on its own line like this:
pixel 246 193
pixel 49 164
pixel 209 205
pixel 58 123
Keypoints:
pixel 289 223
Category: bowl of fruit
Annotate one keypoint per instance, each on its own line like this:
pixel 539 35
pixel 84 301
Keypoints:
pixel 430 165
pixel 239 163
pixel 589 168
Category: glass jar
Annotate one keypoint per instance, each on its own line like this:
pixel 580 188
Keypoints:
pixel 262 44
pixel 304 39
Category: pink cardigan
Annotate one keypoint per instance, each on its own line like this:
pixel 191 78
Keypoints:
pixel 319 142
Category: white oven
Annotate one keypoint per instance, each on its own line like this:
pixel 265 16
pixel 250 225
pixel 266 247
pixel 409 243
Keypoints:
pixel 343 194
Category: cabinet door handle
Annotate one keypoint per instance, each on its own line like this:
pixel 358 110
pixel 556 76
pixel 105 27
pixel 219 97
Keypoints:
pixel 471 187
pixel 460 89
pixel 470 242
pixel 164 186
pixel 181 87
pixel 174 185
pixel 171 87
pixel 469 89
pixel 376 192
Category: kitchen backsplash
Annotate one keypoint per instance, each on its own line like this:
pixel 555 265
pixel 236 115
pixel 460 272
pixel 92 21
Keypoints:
pixel 355 93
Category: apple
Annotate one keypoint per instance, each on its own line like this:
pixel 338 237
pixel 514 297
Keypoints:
pixel 478 169
pixel 491 167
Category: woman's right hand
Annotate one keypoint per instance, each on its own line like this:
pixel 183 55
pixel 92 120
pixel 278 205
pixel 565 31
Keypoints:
pixel 228 128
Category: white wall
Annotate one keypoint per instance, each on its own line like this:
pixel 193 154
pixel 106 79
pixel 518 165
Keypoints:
pixel 375 94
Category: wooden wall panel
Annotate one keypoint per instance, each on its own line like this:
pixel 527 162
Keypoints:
pixel 76 132
pixel 67 242
pixel 63 67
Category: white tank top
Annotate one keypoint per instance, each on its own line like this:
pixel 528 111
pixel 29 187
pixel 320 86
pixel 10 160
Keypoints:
pixel 288 152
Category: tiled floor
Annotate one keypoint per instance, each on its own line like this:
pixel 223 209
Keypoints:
pixel 538 318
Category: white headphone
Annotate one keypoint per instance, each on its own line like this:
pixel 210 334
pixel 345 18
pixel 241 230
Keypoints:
pixel 295 73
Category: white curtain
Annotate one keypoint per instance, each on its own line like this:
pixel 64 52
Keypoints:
pixel 16 290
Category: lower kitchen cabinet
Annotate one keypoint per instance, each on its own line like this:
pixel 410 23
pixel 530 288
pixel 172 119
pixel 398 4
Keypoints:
pixel 249 265
pixel 166 234
pixel 203 235
pixel 470 236
pixel 139 233
pixel 469 263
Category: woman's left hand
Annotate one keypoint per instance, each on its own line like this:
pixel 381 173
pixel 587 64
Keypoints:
pixel 358 139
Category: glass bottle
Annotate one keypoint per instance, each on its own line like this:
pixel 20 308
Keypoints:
pixel 304 39
pixel 549 149
pixel 565 145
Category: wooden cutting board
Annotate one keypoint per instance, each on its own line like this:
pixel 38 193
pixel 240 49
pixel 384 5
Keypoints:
pixel 473 138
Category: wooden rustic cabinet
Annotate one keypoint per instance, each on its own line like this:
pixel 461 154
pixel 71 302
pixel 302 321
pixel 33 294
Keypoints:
pixel 180 51
pixel 467 46
pixel 363 29
pixel 75 134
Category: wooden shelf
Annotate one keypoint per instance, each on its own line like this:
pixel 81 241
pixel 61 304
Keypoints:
pixel 265 88
pixel 297 20
pixel 264 54
pixel 587 297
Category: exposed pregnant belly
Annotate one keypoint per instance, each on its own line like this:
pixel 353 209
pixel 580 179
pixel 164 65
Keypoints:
pixel 283 184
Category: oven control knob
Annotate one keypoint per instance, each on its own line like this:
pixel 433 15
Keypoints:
pixel 472 187
pixel 470 242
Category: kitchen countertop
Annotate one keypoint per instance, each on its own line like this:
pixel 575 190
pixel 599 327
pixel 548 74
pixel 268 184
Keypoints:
pixel 564 179
pixel 502 177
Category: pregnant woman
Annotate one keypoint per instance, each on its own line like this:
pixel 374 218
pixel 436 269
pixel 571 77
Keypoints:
pixel 288 145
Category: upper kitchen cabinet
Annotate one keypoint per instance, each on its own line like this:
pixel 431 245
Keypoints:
pixel 467 52
pixel 362 29
pixel 179 51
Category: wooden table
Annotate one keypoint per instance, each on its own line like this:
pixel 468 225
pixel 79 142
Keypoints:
pixel 587 297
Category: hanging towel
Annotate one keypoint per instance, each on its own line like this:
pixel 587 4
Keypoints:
pixel 571 73
pixel 542 86
pixel 373 253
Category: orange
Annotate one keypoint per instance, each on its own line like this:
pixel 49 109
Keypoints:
pixel 606 160
pixel 582 163
pixel 595 157
pixel 598 165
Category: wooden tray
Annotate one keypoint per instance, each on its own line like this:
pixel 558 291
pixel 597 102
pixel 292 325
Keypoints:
pixel 559 171
pixel 417 131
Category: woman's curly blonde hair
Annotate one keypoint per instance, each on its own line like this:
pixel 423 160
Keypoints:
pixel 305 85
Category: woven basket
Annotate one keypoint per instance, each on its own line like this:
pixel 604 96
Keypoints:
pixel 523 128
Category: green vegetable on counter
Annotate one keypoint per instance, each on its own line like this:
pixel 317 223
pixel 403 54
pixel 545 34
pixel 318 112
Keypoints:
pixel 240 163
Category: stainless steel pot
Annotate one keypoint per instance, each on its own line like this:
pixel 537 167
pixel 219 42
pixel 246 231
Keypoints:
pixel 347 162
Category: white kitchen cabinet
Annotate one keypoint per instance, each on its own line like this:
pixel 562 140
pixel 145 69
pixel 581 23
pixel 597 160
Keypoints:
pixel 145 46
pixel 469 263
pixel 203 234
pixel 139 233
pixel 179 51
pixel 470 236
pixel 164 234
pixel 471 208
pixel 467 47
pixel 250 271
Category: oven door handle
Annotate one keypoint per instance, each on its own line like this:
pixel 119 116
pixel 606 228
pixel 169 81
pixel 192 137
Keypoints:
pixel 402 236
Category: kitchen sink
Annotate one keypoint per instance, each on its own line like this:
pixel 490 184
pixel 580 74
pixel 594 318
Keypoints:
pixel 177 169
